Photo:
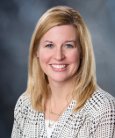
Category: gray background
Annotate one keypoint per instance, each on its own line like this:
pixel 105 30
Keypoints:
pixel 17 21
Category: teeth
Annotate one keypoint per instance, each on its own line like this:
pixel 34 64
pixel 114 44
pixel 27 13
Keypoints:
pixel 58 66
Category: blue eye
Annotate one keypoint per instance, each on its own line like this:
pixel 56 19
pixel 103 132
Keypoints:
pixel 69 46
pixel 49 46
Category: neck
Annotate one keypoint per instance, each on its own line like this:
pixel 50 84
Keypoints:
pixel 61 91
pixel 60 98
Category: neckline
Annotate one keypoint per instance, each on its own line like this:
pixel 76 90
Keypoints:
pixel 60 122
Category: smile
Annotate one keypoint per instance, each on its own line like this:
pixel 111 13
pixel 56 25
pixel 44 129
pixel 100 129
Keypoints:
pixel 59 67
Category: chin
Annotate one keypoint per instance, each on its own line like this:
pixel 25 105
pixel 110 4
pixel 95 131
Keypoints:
pixel 60 79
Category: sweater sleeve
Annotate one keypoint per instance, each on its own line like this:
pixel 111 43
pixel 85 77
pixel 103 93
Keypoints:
pixel 17 130
pixel 104 124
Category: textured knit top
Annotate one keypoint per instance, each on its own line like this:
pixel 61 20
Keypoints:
pixel 95 120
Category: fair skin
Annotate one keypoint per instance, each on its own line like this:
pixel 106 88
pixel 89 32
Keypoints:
pixel 59 54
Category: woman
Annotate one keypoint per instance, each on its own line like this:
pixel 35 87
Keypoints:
pixel 62 97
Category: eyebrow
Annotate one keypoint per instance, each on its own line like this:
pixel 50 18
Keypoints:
pixel 48 41
pixel 67 41
pixel 70 41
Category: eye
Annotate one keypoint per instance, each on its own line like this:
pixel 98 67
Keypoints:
pixel 69 45
pixel 49 45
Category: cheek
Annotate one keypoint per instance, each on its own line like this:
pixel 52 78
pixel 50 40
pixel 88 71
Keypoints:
pixel 43 58
pixel 75 57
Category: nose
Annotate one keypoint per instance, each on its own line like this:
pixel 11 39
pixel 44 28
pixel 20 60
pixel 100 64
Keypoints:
pixel 59 54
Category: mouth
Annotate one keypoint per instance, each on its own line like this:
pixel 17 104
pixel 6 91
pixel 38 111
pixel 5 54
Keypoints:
pixel 59 67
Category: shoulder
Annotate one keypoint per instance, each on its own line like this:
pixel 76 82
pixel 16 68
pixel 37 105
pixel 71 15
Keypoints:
pixel 22 103
pixel 100 103
pixel 23 100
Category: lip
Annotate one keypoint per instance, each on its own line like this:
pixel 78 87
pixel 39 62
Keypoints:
pixel 59 67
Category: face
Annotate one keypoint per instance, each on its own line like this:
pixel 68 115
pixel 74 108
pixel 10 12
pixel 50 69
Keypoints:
pixel 58 53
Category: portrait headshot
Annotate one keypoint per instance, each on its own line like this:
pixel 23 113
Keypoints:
pixel 58 70
pixel 62 98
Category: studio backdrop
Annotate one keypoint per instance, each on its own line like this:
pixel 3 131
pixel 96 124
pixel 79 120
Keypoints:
pixel 17 21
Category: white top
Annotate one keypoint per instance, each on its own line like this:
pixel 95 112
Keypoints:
pixel 50 128
pixel 96 119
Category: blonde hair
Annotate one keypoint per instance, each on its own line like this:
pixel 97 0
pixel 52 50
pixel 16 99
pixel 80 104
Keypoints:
pixel 37 86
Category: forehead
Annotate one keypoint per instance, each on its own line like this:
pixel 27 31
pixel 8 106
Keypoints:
pixel 62 32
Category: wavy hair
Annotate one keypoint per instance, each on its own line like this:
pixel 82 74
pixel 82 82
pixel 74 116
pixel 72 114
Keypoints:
pixel 85 84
